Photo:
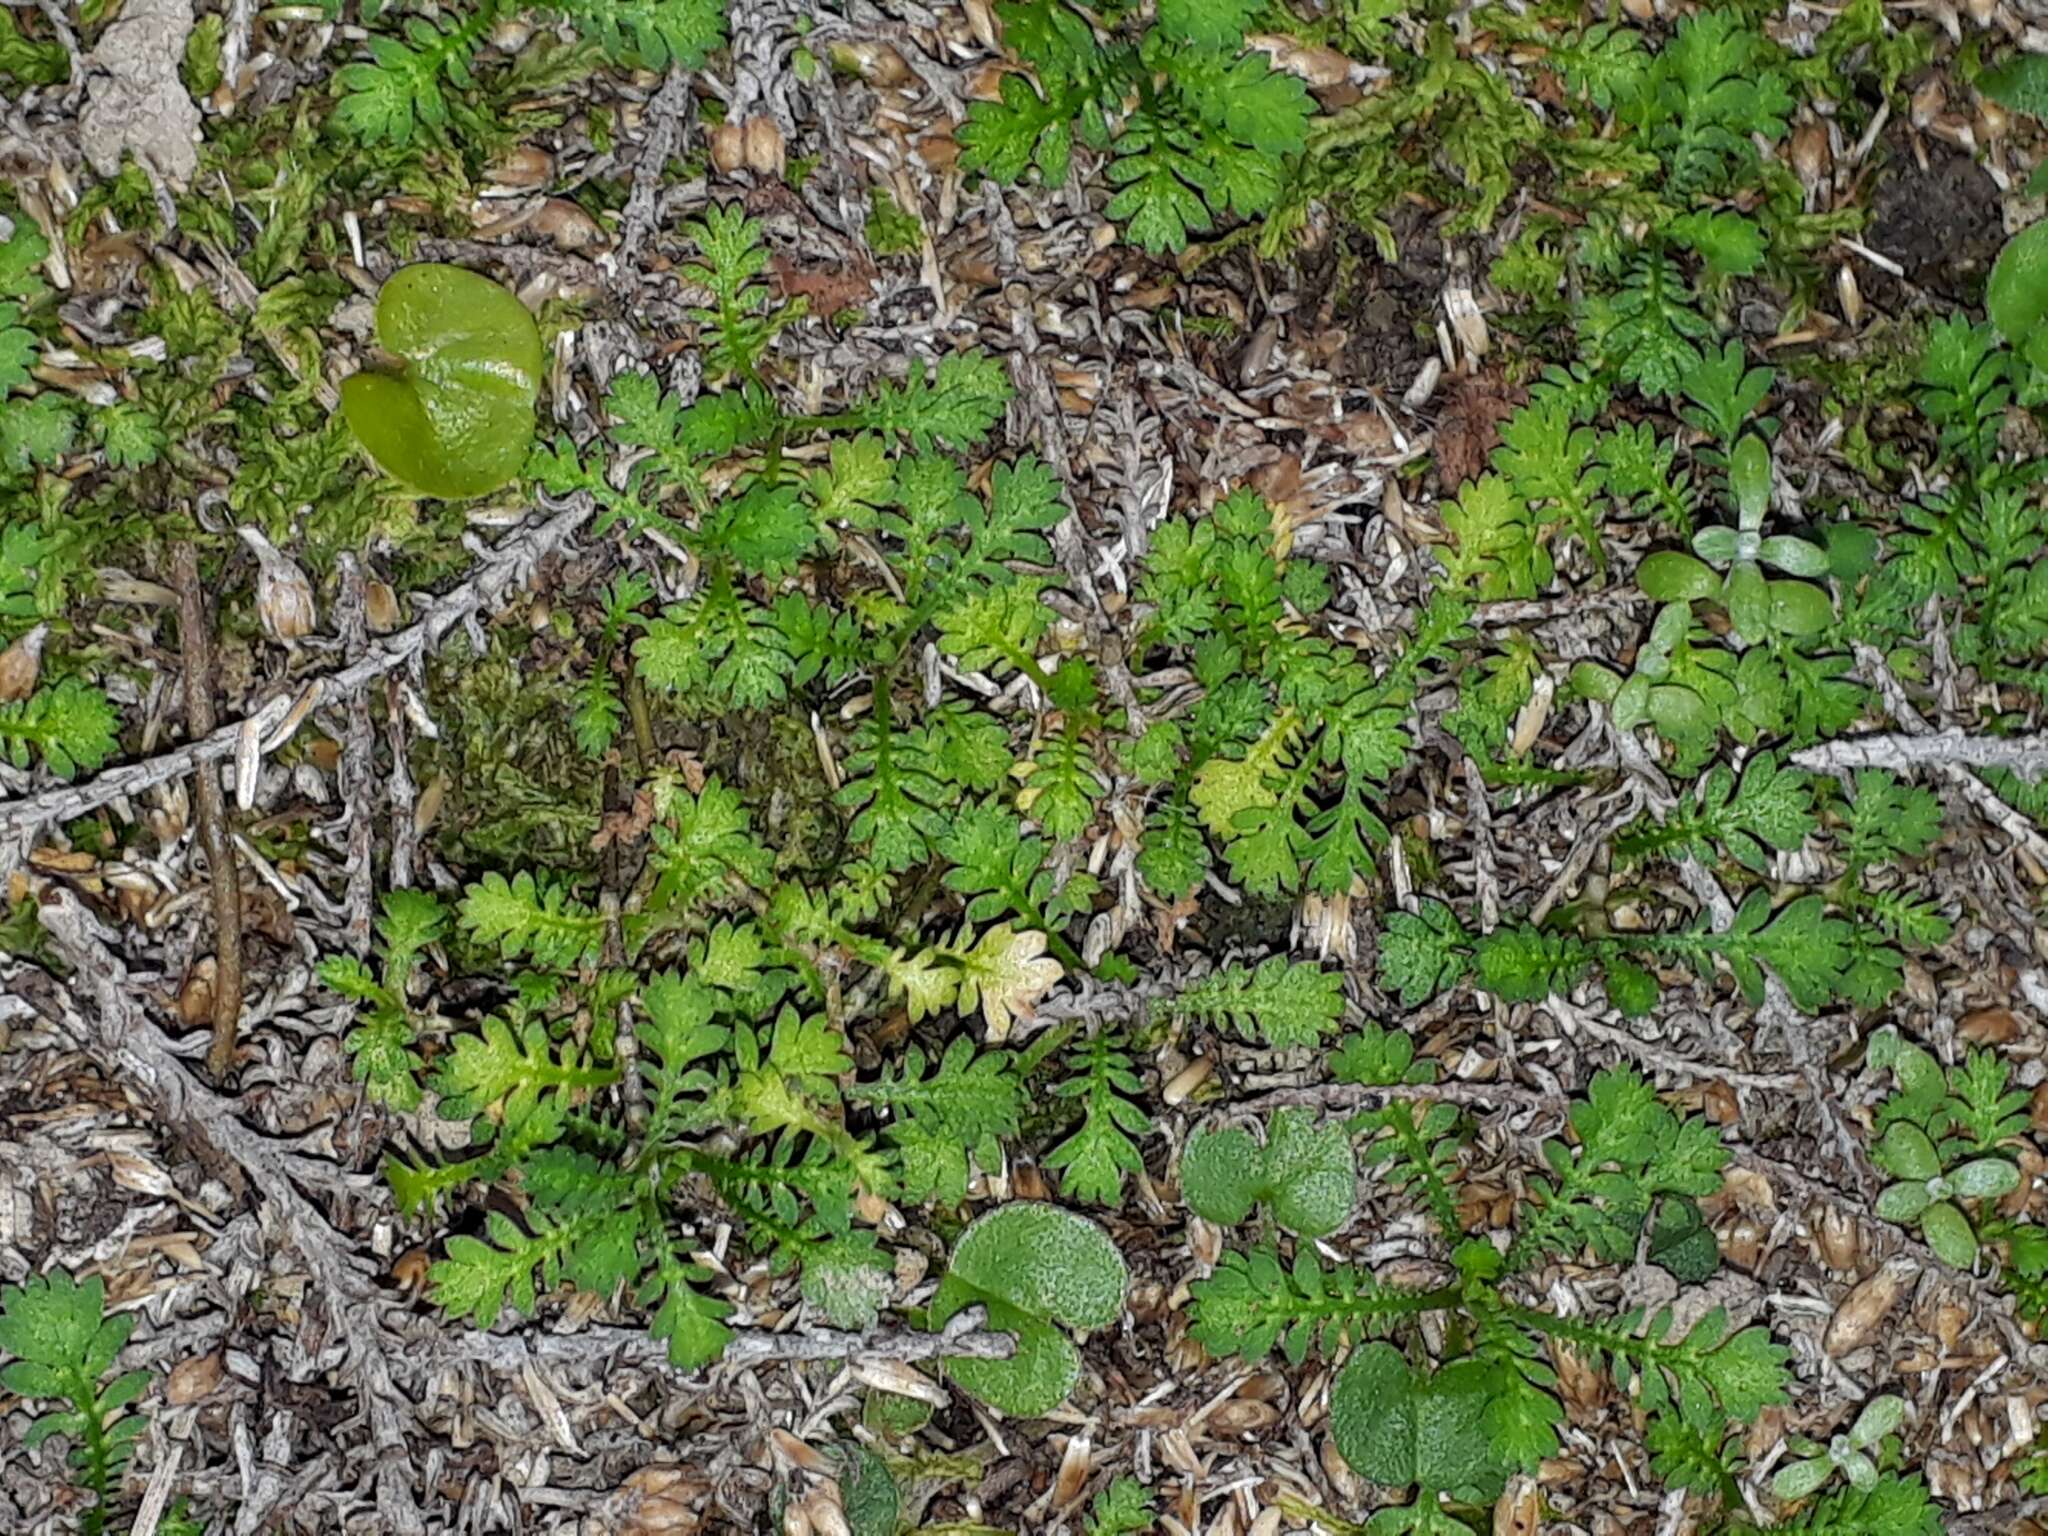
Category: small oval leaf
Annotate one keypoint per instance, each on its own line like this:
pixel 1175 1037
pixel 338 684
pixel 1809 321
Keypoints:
pixel 1749 476
pixel 1800 608
pixel 1985 1179
pixel 1948 1233
pixel 1669 576
pixel 1907 1153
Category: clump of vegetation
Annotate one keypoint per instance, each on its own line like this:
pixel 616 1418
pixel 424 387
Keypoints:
pixel 867 870
pixel 1194 126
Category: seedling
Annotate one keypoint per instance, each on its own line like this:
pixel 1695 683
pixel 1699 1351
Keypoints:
pixel 1729 564
pixel 1942 1134
pixel 455 419
pixel 1847 1453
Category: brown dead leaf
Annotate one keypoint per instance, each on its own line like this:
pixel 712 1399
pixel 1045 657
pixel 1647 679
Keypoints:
pixel 654 1501
pixel 1469 428
pixel 625 827
pixel 827 292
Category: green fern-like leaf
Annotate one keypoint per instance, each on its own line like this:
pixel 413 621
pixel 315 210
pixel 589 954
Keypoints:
pixel 1281 1003
pixel 1101 1151
pixel 69 727
pixel 64 1345
pixel 650 34
pixel 531 916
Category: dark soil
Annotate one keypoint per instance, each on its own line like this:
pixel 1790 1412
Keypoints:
pixel 1942 224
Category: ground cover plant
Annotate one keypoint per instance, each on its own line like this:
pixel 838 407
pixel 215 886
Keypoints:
pixel 1182 766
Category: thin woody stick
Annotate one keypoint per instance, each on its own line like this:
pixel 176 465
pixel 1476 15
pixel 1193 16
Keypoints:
pixel 195 636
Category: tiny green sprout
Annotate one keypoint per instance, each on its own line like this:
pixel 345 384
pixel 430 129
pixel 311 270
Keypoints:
pixel 1927 1196
pixel 891 229
pixel 1730 562
pixel 456 419
pixel 1847 1453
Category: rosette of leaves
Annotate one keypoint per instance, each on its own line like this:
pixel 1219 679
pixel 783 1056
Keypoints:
pixel 1727 564
pixel 1929 1195
pixel 455 418
pixel 1033 1267
pixel 1849 1453
pixel 1943 1131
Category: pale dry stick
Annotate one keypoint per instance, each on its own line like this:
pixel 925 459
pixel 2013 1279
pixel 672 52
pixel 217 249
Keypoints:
pixel 1575 1020
pixel 1541 610
pixel 358 771
pixel 1902 752
pixel 111 1023
pixel 1586 844
pixel 2016 826
pixel 195 637
pixel 1351 1096
pixel 1484 871
pixel 664 128
pixel 157 1496
pixel 963 1338
pixel 512 561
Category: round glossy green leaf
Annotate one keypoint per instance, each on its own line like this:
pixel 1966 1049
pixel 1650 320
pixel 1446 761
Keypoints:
pixel 2017 294
pixel 1680 713
pixel 1311 1178
pixel 1632 703
pixel 1221 1173
pixel 1395 1426
pixel 1985 1179
pixel 1904 1202
pixel 1031 1266
pixel 1373 1412
pixel 457 419
pixel 1800 608
pixel 1906 1153
pixel 1669 576
pixel 1948 1233
pixel 1590 680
